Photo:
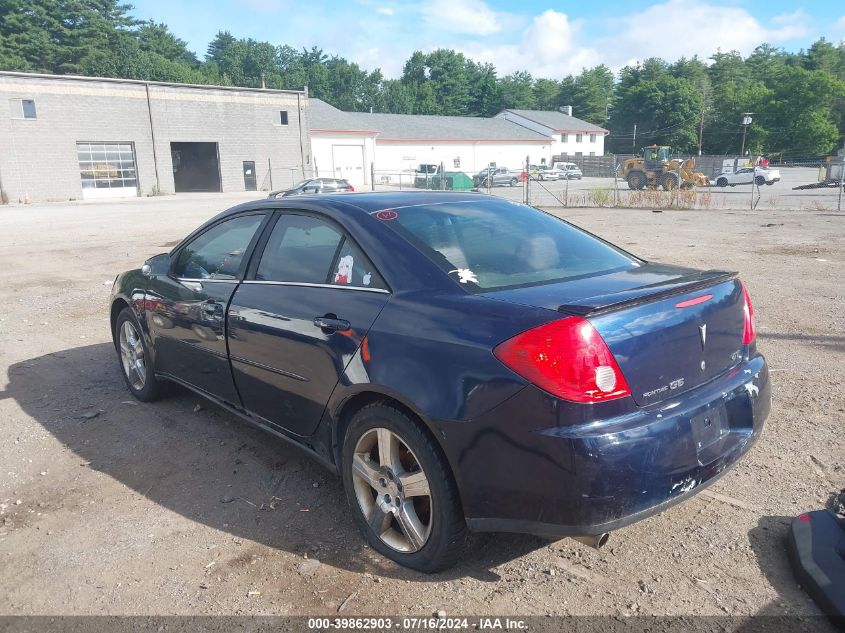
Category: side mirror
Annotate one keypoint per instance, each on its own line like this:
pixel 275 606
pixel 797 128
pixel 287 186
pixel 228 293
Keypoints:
pixel 156 265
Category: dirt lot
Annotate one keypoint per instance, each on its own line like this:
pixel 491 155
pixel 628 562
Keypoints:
pixel 111 506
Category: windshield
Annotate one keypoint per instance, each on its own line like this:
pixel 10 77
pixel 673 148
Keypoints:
pixel 302 183
pixel 496 244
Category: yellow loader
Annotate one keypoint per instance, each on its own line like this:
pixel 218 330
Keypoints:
pixel 655 167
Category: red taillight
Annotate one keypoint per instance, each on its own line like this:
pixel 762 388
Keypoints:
pixel 749 332
pixel 567 358
pixel 351 188
pixel 693 302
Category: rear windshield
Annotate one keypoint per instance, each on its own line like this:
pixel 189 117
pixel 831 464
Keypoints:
pixel 496 244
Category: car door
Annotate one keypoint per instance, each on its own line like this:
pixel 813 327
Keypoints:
pixel 742 177
pixel 296 321
pixel 186 308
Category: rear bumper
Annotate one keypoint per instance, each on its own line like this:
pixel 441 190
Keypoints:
pixel 609 468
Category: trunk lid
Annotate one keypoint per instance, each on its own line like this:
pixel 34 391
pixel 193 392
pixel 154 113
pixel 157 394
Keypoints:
pixel 669 328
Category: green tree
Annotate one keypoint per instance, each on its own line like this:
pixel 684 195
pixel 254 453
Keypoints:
pixel 517 90
pixel 547 94
pixel 592 95
pixel 155 37
pixel 665 109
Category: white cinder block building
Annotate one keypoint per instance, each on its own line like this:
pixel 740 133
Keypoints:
pixel 345 144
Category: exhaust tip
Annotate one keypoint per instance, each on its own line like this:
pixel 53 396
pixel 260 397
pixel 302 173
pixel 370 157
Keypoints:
pixel 596 541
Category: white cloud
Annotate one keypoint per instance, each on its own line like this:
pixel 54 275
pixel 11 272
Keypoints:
pixel 384 33
pixel 469 17
pixel 548 47
pixel 836 32
pixel 679 28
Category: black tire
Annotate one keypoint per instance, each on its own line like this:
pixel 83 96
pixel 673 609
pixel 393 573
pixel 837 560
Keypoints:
pixel 448 535
pixel 670 181
pixel 771 182
pixel 151 389
pixel 760 180
pixel 514 181
pixel 637 180
pixel 721 182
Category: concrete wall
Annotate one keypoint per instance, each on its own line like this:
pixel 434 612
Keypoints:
pixel 38 156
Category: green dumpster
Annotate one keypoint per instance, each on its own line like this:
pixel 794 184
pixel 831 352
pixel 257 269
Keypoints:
pixel 454 180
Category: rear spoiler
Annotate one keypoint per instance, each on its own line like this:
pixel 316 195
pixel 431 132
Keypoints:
pixel 644 294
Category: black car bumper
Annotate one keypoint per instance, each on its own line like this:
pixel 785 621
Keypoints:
pixel 817 549
pixel 582 477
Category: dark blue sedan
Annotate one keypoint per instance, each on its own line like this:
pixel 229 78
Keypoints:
pixel 464 363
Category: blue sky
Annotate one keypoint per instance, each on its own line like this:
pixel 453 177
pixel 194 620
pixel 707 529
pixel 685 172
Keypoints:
pixel 550 39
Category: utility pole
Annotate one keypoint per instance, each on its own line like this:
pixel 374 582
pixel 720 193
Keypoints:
pixel 634 145
pixel 746 121
pixel 701 122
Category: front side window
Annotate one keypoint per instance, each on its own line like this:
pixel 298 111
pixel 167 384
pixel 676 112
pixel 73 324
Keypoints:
pixel 496 244
pixel 303 249
pixel 219 252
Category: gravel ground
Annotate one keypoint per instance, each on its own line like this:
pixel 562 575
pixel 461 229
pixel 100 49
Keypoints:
pixel 109 506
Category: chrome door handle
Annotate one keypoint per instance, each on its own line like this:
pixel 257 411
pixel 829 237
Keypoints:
pixel 332 324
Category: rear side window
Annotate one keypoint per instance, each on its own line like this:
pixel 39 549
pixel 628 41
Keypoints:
pixel 218 253
pixel 496 244
pixel 300 249
pixel 303 249
pixel 354 269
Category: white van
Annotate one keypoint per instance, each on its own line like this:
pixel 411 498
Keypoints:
pixel 569 171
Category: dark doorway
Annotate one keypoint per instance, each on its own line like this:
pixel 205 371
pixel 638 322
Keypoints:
pixel 250 183
pixel 196 166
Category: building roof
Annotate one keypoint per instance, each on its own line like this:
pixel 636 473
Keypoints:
pixel 143 82
pixel 558 121
pixel 418 127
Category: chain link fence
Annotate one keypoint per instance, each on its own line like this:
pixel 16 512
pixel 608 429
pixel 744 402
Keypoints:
pixel 601 186
pixel 272 178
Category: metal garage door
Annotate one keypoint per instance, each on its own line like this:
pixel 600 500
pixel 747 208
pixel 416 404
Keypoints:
pixel 349 162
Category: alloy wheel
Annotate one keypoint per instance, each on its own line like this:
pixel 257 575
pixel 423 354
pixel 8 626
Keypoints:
pixel 392 490
pixel 132 356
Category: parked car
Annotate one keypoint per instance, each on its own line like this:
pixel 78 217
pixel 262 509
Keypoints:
pixel 569 171
pixel 463 362
pixel 497 176
pixel 424 174
pixel 760 175
pixel 314 185
pixel 545 172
